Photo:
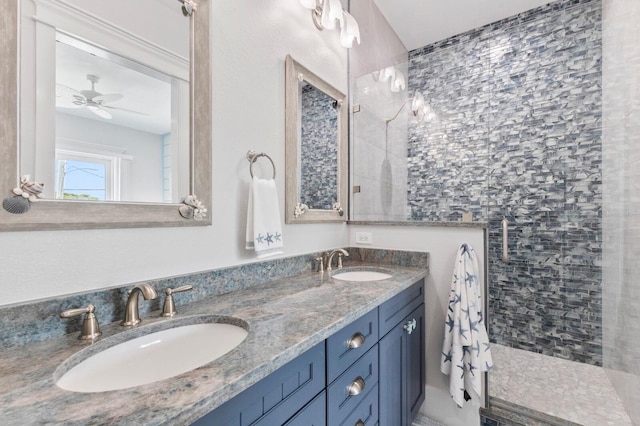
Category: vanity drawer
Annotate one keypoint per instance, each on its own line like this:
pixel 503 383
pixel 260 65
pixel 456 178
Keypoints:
pixel 395 309
pixel 366 412
pixel 340 403
pixel 350 343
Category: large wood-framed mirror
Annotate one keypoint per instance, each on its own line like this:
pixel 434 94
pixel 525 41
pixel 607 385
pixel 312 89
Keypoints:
pixel 316 148
pixel 187 80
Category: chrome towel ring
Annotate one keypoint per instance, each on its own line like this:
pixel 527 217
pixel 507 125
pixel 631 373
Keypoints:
pixel 252 156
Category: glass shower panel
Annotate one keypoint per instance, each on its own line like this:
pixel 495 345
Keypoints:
pixel 379 149
pixel 621 199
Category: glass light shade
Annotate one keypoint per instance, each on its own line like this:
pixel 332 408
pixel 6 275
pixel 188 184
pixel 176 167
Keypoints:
pixel 335 12
pixel 349 30
pixel 309 4
pixel 389 73
pixel 417 103
pixel 327 20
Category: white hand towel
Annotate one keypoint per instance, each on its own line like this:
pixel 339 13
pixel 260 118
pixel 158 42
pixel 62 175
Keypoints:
pixel 264 229
pixel 465 352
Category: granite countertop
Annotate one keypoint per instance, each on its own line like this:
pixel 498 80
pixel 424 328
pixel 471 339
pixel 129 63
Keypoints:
pixel 285 318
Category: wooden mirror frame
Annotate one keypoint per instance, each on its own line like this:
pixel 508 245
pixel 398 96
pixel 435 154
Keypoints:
pixel 51 214
pixel 292 110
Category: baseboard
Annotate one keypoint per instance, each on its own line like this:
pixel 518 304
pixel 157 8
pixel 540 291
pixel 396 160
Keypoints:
pixel 440 407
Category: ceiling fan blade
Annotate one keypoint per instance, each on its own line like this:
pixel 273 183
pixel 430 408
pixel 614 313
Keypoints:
pixel 124 109
pixel 103 99
pixel 66 97
pixel 99 112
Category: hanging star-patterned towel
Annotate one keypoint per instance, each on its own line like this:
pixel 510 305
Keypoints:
pixel 465 352
pixel 264 229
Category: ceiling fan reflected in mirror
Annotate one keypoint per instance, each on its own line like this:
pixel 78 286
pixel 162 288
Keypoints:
pixel 96 102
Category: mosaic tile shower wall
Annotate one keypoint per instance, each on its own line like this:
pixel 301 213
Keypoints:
pixel 517 134
pixel 319 150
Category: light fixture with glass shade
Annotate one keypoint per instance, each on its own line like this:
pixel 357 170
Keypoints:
pixel 329 14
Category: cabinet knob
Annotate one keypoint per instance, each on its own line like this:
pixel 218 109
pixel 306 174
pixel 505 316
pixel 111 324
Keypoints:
pixel 359 423
pixel 410 325
pixel 357 386
pixel 356 340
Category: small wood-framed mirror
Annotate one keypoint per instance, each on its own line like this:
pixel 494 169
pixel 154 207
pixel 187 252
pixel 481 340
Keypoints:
pixel 316 148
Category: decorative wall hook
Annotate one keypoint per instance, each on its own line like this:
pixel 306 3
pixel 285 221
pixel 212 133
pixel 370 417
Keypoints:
pixel 192 209
pixel 28 192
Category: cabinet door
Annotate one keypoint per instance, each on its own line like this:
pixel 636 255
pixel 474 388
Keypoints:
pixel 402 370
pixel 391 347
pixel 416 371
pixel 314 414
pixel 399 306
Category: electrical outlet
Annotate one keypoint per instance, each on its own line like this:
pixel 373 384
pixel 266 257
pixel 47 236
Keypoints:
pixel 364 238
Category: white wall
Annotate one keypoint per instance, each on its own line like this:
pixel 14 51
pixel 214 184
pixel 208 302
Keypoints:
pixel 250 41
pixel 442 243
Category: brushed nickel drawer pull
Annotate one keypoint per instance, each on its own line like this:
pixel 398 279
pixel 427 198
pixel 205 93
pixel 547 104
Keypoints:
pixel 356 340
pixel 357 386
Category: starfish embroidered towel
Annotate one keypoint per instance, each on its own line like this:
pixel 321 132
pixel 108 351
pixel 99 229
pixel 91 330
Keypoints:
pixel 465 352
pixel 264 229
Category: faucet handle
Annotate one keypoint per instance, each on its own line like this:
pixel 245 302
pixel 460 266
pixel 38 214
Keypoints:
pixel 90 327
pixel 169 308
pixel 320 261
pixel 340 260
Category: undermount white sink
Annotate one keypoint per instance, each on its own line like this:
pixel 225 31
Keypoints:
pixel 361 276
pixel 152 357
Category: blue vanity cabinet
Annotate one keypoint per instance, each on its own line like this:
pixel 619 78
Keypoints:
pixel 275 399
pixel 369 373
pixel 402 357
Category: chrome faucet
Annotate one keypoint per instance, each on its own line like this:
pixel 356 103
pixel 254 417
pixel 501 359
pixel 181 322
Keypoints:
pixel 341 252
pixel 131 315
